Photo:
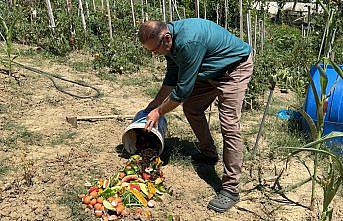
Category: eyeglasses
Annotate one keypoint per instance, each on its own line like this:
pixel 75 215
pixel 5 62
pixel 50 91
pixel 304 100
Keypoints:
pixel 159 43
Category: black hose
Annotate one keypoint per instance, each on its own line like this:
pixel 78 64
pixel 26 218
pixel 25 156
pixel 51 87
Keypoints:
pixel 52 76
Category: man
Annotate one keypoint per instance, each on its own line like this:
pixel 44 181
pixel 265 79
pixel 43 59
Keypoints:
pixel 204 61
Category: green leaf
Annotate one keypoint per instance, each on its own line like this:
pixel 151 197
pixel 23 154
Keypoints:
pixel 323 81
pixel 311 124
pixel 315 94
pixel 336 67
pixel 331 135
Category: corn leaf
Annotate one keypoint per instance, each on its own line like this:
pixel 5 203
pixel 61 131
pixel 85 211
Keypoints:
pixel 315 94
pixel 336 67
pixel 311 124
pixel 323 81
pixel 325 152
pixel 331 135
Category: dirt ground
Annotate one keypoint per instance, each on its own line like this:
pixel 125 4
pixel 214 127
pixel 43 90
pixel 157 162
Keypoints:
pixel 44 161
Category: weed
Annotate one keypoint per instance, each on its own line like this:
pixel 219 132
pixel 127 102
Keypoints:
pixel 71 200
pixel 106 76
pixel 80 66
pixel 152 90
pixel 19 133
pixel 3 108
pixel 63 137
pixel 4 169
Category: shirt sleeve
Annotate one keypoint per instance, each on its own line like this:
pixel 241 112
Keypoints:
pixel 170 78
pixel 189 57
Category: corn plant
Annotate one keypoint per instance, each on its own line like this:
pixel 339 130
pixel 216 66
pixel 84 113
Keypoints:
pixel 7 45
pixel 331 182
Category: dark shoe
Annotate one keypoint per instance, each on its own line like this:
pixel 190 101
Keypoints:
pixel 223 201
pixel 203 159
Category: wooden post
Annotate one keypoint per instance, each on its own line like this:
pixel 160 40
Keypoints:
pixel 133 13
pixel 217 11
pixel 142 10
pixel 226 12
pixel 197 9
pixel 83 17
pixel 205 13
pixel 102 5
pixel 175 8
pixel 164 10
pixel 241 19
pixel 51 15
pixel 170 11
pixel 109 18
pixel 255 35
pixel 249 28
pixel 184 12
pixel 261 35
pixel 94 7
pixel 87 9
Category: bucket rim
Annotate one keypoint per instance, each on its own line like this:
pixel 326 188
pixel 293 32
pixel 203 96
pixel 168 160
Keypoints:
pixel 154 130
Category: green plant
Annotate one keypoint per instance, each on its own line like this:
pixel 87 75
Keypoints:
pixel 7 43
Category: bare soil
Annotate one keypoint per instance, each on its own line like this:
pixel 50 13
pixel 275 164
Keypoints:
pixel 44 161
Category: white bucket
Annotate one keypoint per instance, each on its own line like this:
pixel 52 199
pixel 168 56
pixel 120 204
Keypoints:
pixel 137 127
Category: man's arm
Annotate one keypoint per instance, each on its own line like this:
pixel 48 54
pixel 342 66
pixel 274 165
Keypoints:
pixel 162 94
pixel 153 117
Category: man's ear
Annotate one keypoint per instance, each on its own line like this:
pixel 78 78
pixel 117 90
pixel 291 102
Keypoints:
pixel 168 38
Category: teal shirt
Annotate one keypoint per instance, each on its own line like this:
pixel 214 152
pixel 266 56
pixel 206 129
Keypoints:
pixel 201 50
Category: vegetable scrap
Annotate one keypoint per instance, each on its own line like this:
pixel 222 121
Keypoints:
pixel 134 189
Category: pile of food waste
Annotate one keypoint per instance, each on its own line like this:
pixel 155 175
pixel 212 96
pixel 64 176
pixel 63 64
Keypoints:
pixel 133 190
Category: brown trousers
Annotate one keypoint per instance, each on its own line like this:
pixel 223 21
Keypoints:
pixel 230 90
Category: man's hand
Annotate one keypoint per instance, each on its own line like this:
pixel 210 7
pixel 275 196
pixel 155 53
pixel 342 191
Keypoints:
pixel 152 119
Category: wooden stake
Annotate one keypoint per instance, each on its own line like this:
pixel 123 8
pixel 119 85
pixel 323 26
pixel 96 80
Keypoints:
pixel 94 7
pixel 164 10
pixel 102 5
pixel 133 13
pixel 205 13
pixel 142 10
pixel 197 9
pixel 170 10
pixel 83 17
pixel 87 9
pixel 217 11
pixel 255 35
pixel 249 28
pixel 241 19
pixel 109 19
pixel 51 15
pixel 175 7
pixel 226 14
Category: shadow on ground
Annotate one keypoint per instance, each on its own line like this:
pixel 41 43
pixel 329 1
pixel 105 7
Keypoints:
pixel 182 150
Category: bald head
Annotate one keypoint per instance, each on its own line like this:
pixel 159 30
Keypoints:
pixel 151 30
